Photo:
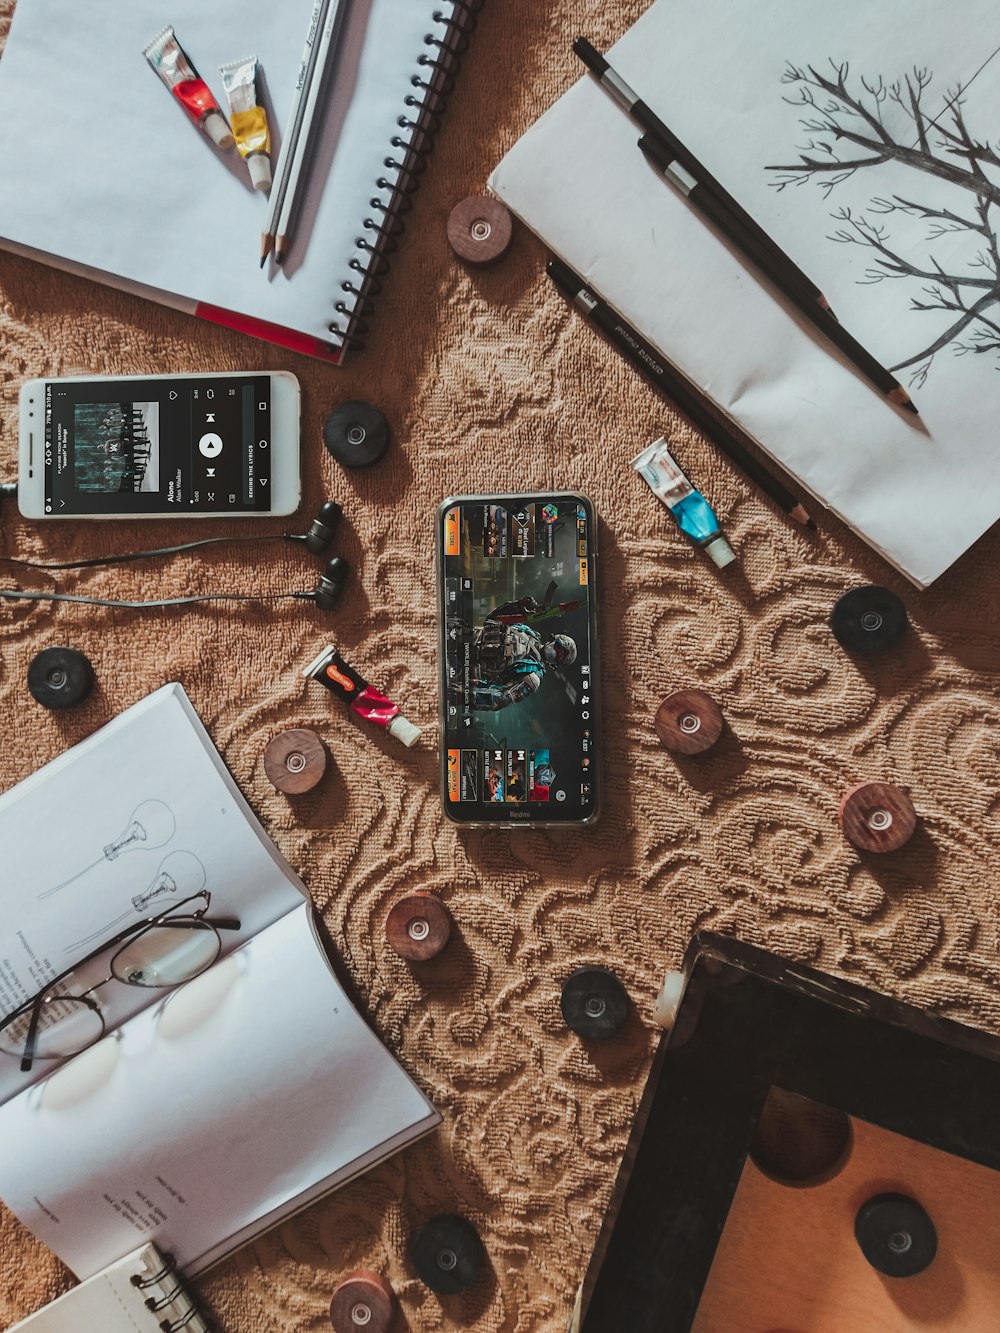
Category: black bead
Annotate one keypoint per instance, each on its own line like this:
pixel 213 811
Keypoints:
pixel 447 1254
pixel 896 1235
pixel 868 620
pixel 594 1003
pixel 60 677
pixel 356 434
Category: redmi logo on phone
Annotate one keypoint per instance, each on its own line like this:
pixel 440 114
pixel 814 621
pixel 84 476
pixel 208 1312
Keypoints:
pixel 340 678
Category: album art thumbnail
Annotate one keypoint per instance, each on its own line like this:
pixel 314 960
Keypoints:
pixel 116 447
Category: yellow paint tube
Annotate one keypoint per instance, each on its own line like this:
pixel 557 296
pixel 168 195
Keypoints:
pixel 248 119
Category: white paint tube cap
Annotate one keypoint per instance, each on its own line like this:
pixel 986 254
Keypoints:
pixel 721 552
pixel 217 129
pixel 404 730
pixel 259 167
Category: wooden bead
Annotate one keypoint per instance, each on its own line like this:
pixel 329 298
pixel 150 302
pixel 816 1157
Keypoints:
pixel 688 722
pixel 295 761
pixel 480 229
pixel 418 926
pixel 363 1302
pixel 877 817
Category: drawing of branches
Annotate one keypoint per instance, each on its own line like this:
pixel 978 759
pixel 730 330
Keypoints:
pixel 859 125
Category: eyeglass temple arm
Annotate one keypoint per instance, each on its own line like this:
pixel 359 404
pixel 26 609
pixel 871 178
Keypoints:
pixel 223 922
pixel 28 1057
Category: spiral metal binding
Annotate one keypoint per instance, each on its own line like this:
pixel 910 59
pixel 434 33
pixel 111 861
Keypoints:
pixel 408 160
pixel 169 1266
pixel 157 1279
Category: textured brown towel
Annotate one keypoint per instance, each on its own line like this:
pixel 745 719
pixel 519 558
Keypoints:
pixel 490 382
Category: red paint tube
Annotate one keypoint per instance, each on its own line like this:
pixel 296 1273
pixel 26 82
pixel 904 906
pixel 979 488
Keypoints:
pixel 340 678
pixel 167 57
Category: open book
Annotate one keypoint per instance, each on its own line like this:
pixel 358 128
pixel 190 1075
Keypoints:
pixel 210 1111
pixel 858 136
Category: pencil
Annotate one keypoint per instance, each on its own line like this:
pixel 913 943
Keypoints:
pixel 279 183
pixel 680 166
pixel 646 118
pixel 859 356
pixel 644 358
pixel 327 47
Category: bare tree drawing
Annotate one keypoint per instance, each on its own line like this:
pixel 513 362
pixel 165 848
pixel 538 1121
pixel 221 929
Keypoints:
pixel 857 130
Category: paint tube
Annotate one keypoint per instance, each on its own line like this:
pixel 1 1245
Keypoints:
pixel 340 678
pixel 167 57
pixel 692 512
pixel 248 119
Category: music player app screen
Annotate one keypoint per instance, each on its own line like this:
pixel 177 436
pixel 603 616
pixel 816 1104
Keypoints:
pixel 186 444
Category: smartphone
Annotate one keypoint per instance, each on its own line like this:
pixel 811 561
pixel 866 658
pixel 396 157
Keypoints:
pixel 158 446
pixel 518 657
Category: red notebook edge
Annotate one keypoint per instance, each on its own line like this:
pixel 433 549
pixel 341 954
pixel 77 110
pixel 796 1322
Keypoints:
pixel 277 334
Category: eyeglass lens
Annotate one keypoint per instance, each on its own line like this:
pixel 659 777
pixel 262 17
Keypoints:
pixel 66 1026
pixel 166 955
pixel 159 956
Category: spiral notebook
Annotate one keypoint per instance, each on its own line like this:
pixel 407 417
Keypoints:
pixel 104 175
pixel 143 1291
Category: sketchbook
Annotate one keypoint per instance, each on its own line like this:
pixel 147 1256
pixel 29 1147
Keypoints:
pixel 859 137
pixel 208 1112
pixel 143 1291
pixel 104 174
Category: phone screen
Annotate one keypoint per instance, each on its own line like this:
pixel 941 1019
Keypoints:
pixel 519 659
pixel 153 446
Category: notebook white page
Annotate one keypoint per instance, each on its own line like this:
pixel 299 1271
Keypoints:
pixel 103 168
pixel 131 821
pixel 210 1117
pixel 920 490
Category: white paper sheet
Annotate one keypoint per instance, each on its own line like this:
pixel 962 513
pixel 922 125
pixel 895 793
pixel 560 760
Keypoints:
pixel 143 809
pixel 100 165
pixel 231 1104
pixel 920 490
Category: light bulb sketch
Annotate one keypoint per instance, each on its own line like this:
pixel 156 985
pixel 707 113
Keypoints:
pixel 150 825
pixel 180 875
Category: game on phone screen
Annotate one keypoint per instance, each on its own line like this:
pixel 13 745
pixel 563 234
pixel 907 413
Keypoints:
pixel 180 444
pixel 519 687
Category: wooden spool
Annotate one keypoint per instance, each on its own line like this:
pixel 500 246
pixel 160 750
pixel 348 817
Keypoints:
pixel 418 926
pixel 363 1302
pixel 295 761
pixel 877 817
pixel 480 229
pixel 688 722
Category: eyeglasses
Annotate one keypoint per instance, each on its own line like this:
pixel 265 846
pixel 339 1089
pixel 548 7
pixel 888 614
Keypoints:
pixel 160 952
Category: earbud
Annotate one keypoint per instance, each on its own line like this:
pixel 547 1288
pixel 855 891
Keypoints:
pixel 331 583
pixel 321 529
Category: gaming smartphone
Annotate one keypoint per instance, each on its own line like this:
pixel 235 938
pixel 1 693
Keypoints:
pixel 518 654
pixel 159 446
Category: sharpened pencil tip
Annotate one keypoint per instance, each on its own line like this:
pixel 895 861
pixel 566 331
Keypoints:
pixel 901 398
pixel 266 246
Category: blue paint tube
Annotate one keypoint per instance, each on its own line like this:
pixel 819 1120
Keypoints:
pixel 692 512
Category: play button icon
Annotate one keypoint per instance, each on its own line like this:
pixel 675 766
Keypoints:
pixel 210 445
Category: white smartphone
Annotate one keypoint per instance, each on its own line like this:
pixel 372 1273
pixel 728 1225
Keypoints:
pixel 158 446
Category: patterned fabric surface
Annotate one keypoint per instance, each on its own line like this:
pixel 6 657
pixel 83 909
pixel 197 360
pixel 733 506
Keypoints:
pixel 491 383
